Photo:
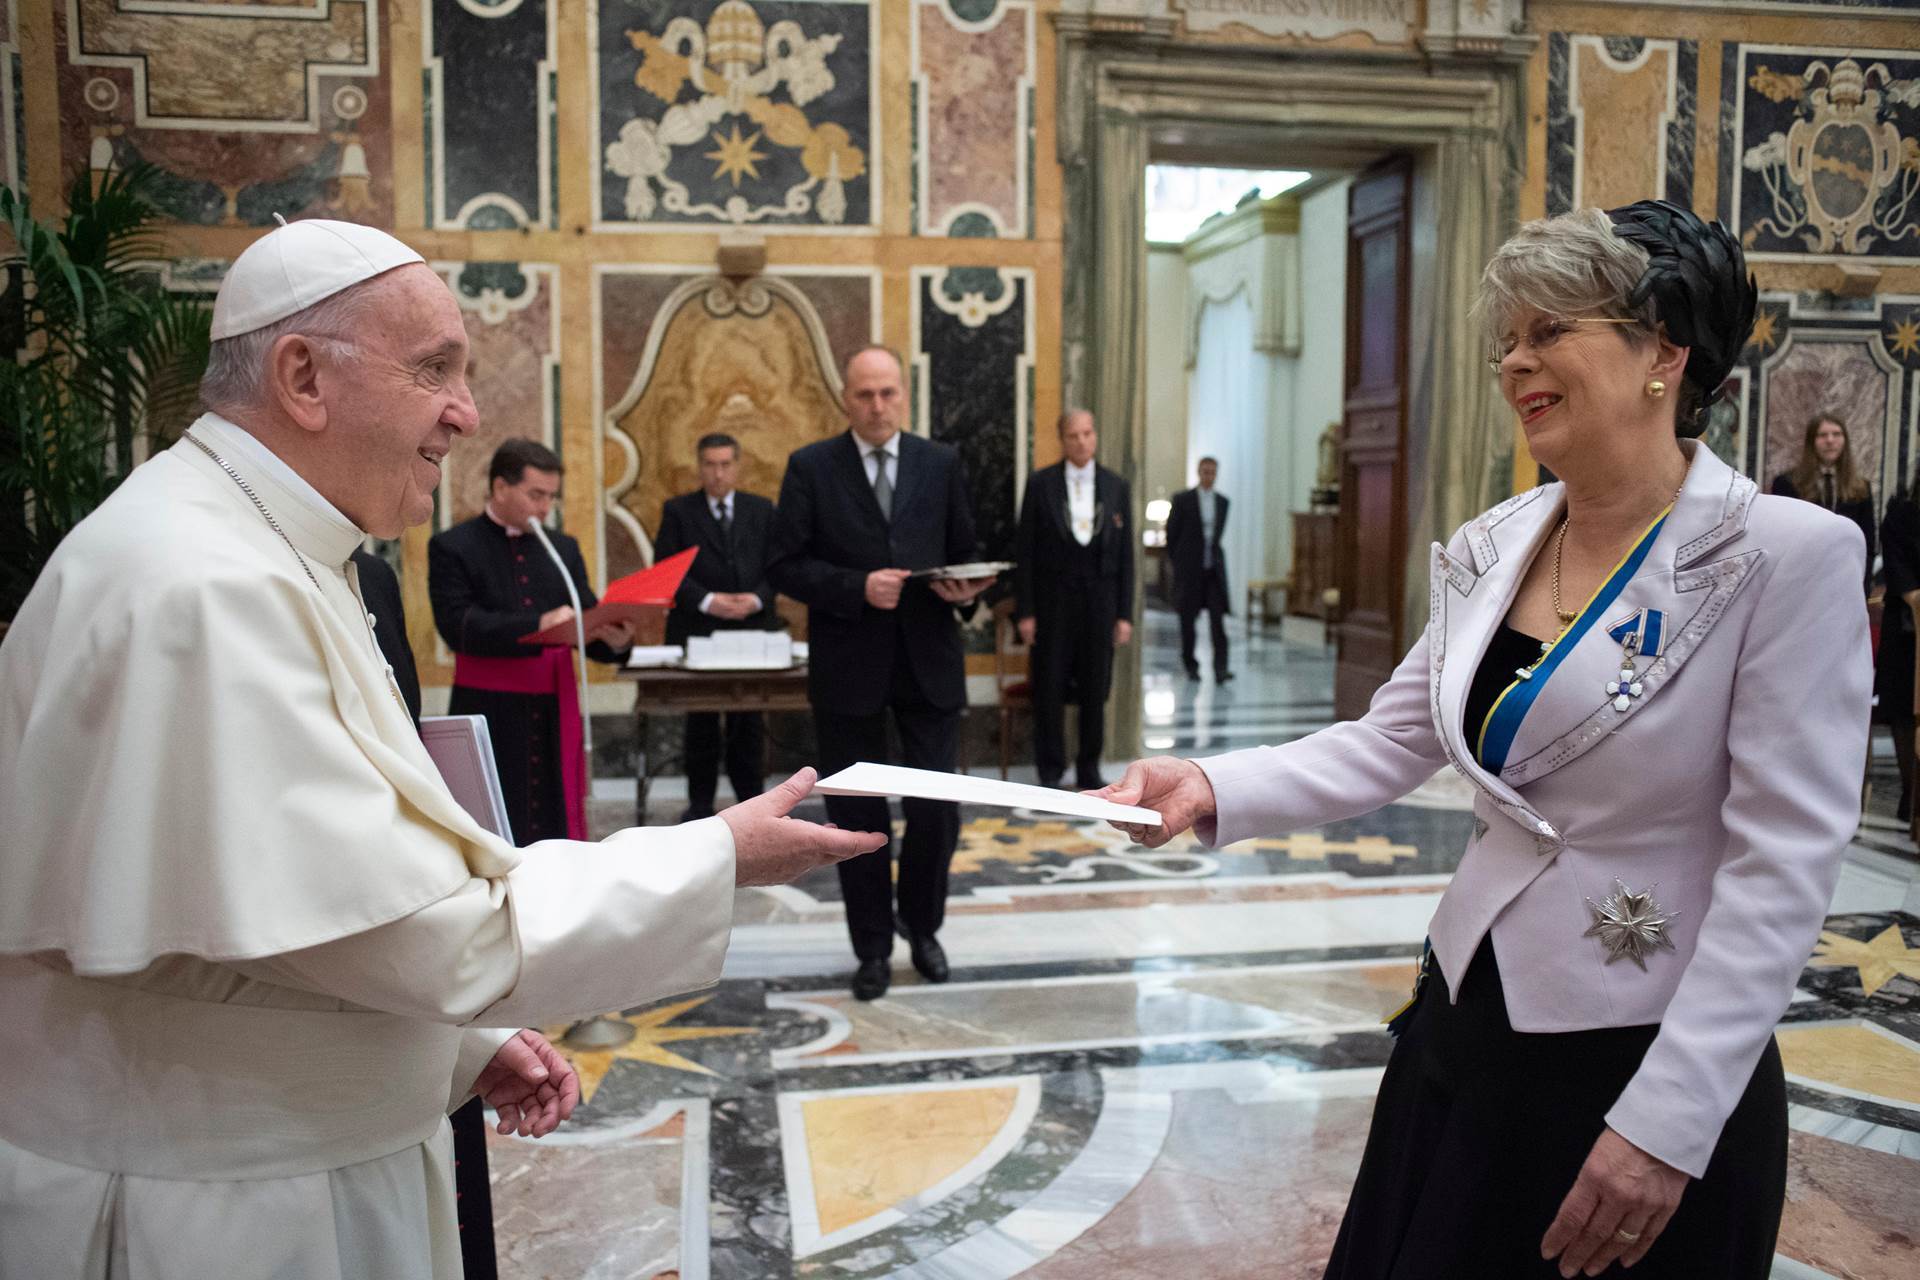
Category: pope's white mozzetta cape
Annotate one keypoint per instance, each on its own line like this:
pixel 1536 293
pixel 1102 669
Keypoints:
pixel 246 934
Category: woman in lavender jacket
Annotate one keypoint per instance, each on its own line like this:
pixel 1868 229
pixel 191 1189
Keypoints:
pixel 1658 682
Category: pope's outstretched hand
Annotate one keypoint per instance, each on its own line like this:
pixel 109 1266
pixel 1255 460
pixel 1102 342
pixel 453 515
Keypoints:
pixel 771 848
pixel 1176 789
pixel 529 1085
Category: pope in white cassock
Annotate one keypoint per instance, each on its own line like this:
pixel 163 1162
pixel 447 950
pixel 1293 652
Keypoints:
pixel 251 949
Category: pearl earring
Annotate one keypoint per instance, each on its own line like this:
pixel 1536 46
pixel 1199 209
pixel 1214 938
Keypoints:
pixel 1656 388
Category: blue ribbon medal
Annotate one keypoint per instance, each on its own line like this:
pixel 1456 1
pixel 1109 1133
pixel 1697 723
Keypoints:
pixel 1641 633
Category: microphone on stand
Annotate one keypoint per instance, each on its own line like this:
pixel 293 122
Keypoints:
pixel 580 646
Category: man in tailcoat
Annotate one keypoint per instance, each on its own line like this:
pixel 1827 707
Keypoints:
pixel 858 513
pixel 1073 592
pixel 1200 568
pixel 726 589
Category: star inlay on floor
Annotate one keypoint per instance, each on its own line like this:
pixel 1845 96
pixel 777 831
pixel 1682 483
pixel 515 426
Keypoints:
pixel 593 1046
pixel 1880 959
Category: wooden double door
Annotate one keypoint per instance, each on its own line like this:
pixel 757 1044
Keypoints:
pixel 1370 563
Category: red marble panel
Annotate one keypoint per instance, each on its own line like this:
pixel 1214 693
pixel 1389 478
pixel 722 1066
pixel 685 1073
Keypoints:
pixel 225 105
pixel 510 350
pixel 971 96
pixel 1826 376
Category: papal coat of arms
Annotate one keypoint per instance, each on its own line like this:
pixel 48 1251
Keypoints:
pixel 1841 178
pixel 739 121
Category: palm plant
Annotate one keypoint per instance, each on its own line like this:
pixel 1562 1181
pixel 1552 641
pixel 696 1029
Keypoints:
pixel 104 358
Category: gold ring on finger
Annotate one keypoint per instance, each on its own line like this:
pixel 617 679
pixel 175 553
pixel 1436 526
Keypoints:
pixel 1626 1237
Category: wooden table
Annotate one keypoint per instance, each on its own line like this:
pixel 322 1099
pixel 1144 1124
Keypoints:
pixel 674 691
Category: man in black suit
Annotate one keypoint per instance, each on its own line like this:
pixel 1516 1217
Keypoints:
pixel 380 592
pixel 1073 592
pixel 490 582
pixel 859 512
pixel 1200 568
pixel 726 589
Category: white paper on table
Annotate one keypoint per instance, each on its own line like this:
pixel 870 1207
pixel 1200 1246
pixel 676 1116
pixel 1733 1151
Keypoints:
pixel 868 779
pixel 655 655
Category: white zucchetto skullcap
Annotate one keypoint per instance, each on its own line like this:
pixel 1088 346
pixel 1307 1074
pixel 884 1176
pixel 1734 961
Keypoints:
pixel 296 265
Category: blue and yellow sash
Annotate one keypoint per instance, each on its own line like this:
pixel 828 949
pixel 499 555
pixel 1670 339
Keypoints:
pixel 1503 721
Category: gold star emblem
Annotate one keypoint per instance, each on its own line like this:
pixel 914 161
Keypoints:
pixel 735 157
pixel 595 1045
pixel 1629 924
pixel 1882 959
pixel 1764 335
pixel 1905 337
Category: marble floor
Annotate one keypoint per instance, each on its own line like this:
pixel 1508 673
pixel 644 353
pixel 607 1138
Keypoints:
pixel 1146 1064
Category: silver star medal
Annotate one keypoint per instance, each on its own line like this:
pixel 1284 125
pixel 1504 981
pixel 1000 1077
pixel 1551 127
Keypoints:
pixel 1629 924
pixel 1628 687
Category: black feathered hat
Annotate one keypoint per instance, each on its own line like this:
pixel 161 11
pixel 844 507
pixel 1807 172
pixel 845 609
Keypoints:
pixel 1697 278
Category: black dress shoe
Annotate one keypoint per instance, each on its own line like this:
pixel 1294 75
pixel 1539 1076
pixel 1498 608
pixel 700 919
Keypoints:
pixel 693 813
pixel 871 979
pixel 928 957
pixel 1054 781
pixel 1221 677
pixel 1091 781
pixel 1193 673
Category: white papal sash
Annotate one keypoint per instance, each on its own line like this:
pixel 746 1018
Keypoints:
pixel 113 1078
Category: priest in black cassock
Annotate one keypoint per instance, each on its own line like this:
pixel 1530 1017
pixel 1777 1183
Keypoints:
pixel 726 589
pixel 491 582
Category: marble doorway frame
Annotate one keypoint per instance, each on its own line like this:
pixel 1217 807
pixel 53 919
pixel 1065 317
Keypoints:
pixel 1130 93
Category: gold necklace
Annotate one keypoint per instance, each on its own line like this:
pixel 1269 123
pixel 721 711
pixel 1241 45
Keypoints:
pixel 1559 546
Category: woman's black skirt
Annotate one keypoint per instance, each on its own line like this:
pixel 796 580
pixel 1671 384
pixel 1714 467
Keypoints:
pixel 1480 1130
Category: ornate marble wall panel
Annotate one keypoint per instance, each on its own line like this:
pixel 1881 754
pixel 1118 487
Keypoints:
pixel 973 355
pixel 488 112
pixel 1843 8
pixel 1620 120
pixel 512 311
pixel 758 113
pixel 13 133
pixel 758 359
pixel 1365 22
pixel 973 68
pixel 1858 359
pixel 249 110
pixel 1820 159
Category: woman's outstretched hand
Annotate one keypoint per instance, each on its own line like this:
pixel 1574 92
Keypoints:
pixel 1176 789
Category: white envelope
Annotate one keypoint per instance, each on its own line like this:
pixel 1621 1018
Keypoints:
pixel 926 784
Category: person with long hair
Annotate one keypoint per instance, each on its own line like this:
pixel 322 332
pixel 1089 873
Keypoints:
pixel 1657 682
pixel 1827 476
pixel 1893 681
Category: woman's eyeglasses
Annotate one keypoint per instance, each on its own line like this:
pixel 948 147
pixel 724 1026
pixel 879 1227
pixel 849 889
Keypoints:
pixel 1543 333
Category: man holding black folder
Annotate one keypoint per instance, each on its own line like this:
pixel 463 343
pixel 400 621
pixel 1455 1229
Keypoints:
pixel 858 513
pixel 491 583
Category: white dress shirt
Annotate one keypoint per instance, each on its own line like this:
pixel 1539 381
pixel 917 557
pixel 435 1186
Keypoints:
pixel 1080 499
pixel 867 458
pixel 1206 528
pixel 722 509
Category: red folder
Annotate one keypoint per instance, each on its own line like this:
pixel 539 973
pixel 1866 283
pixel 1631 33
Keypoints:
pixel 641 598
